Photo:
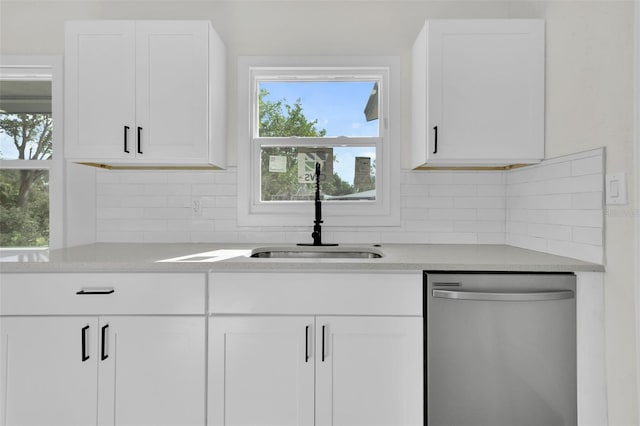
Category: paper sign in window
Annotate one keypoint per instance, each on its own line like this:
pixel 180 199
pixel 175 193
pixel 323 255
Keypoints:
pixel 307 159
pixel 277 164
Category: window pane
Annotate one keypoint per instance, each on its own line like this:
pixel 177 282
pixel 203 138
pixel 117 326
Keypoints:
pixel 24 208
pixel 318 108
pixel 347 173
pixel 25 120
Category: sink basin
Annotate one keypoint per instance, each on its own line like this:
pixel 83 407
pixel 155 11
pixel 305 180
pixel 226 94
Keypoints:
pixel 317 252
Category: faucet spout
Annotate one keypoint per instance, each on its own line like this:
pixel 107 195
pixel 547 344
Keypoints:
pixel 317 227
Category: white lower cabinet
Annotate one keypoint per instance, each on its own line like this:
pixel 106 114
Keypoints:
pixel 370 372
pixel 258 371
pixel 360 365
pixel 47 378
pixel 86 356
pixel 155 372
pixel 103 370
pixel 315 370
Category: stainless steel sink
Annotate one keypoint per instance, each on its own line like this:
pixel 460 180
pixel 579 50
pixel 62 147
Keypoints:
pixel 313 252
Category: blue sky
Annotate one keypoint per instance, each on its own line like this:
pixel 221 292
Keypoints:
pixel 339 108
pixel 337 105
pixel 7 148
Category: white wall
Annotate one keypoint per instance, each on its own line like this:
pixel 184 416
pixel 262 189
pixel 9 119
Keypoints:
pixel 589 94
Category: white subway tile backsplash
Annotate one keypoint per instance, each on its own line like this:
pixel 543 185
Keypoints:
pixel 403 237
pixel 587 166
pixel 550 232
pixel 192 177
pixel 414 214
pixel 167 213
pixel 428 202
pixel 540 202
pixel 591 218
pixel 453 214
pixel 138 201
pixel 498 215
pixel 491 238
pixel 165 237
pixel 479 202
pixel 113 236
pixel 414 190
pixel 452 190
pixel 179 201
pixel 491 190
pixel 478 178
pixel 428 226
pixel 479 227
pixel 586 252
pixel 453 238
pixel 555 206
pixel 587 200
pixel 224 201
pixel 119 213
pixel 593 236
pixel 527 241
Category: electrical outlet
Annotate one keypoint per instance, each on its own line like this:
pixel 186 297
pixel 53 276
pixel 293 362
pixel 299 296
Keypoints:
pixel 196 207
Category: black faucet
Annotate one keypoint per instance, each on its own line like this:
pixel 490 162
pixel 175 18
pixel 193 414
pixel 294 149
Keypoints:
pixel 317 228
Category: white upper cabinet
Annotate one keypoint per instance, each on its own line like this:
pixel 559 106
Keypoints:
pixel 145 93
pixel 478 93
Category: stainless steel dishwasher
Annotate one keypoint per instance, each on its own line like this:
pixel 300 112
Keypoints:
pixel 501 349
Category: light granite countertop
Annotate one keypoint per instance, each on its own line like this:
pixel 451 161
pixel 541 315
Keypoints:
pixel 160 257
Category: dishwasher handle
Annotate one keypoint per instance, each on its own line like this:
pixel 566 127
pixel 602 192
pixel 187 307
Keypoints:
pixel 531 296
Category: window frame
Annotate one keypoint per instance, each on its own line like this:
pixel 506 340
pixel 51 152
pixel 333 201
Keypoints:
pixel 38 67
pixel 385 210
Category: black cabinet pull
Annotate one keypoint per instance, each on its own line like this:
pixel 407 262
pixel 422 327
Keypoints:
pixel 85 355
pixel 126 143
pixel 323 337
pixel 139 140
pixel 306 344
pixel 435 140
pixel 84 292
pixel 103 351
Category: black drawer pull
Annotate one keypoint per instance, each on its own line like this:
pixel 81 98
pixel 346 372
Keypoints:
pixel 126 144
pixel 323 338
pixel 96 291
pixel 85 355
pixel 139 140
pixel 435 141
pixel 103 351
pixel 306 345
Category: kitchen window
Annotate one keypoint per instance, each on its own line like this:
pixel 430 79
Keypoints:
pixel 297 112
pixel 30 158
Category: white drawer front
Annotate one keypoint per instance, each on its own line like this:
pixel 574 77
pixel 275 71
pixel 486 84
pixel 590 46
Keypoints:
pixel 102 294
pixel 316 293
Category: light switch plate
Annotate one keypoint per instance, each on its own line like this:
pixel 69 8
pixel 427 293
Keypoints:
pixel 616 188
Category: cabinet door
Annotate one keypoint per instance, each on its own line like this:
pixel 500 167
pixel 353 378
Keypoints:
pixel 48 371
pixel 369 371
pixel 152 371
pixel 261 371
pixel 172 75
pixel 100 90
pixel 484 91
